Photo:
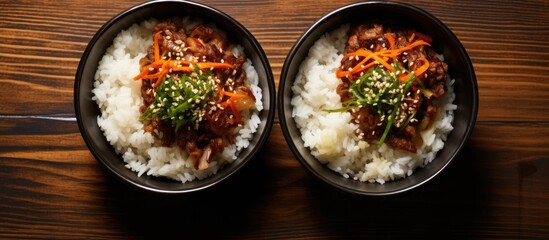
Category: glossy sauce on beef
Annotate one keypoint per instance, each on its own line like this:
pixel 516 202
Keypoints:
pixel 373 37
pixel 202 44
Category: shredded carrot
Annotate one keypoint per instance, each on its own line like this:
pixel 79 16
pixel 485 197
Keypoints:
pixel 156 47
pixel 182 69
pixel 162 75
pixel 177 66
pixel 413 45
pixel 142 74
pixel 223 104
pixel 232 95
pixel 204 65
pixel 362 67
pixel 404 77
pixel 368 58
pixel 412 37
pixel 360 53
pixel 391 40
pixel 230 102
pixel 384 63
pixel 161 66
pixel 417 71
pixel 423 67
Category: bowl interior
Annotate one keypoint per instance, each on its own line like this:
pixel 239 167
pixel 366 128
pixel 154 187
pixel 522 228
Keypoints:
pixel 87 110
pixel 390 14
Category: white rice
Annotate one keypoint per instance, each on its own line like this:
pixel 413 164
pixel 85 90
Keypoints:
pixel 119 98
pixel 331 137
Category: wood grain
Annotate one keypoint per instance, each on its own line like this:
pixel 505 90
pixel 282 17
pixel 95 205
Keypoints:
pixel 52 187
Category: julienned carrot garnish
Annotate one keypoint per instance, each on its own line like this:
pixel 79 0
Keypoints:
pixel 391 40
pixel 156 46
pixel 369 58
pixel 384 93
pixel 423 67
pixel 384 63
pixel 412 37
pixel 204 65
pixel 417 72
pixel 379 81
pixel 231 94
pixel 161 67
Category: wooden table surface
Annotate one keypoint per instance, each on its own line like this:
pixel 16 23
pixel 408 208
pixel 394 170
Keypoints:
pixel 52 187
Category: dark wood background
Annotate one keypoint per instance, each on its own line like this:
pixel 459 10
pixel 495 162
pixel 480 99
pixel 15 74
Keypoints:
pixel 52 187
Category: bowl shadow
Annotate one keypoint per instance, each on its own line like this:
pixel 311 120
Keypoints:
pixel 224 210
pixel 448 205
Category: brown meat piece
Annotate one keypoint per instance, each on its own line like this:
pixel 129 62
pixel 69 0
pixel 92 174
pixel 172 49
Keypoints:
pixel 367 122
pixel 203 43
pixel 373 38
pixel 402 143
pixel 364 36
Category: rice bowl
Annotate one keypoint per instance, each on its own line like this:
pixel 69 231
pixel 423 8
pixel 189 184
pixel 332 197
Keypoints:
pixel 119 99
pixel 87 109
pixel 331 137
pixel 444 42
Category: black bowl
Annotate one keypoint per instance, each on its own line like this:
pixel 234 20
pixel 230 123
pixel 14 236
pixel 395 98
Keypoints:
pixel 87 110
pixel 394 14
